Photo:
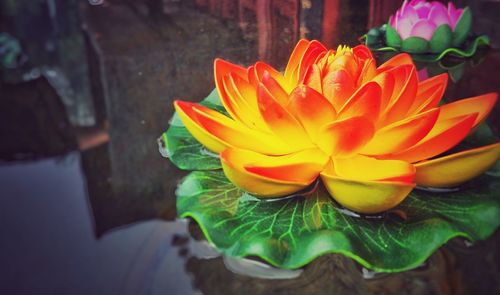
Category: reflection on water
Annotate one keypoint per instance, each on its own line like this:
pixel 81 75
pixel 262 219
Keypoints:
pixel 102 220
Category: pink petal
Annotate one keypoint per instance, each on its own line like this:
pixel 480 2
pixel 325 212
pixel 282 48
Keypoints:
pixel 423 11
pixel 439 14
pixel 392 21
pixel 454 14
pixel 404 27
pixel 423 29
pixel 417 2
pixel 408 12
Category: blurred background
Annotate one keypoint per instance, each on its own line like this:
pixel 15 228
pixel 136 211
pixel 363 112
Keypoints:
pixel 87 202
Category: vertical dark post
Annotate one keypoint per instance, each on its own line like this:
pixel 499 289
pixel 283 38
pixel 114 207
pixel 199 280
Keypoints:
pixel 311 16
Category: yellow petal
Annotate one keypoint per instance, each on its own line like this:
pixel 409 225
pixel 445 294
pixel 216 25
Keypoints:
pixel 360 167
pixel 455 169
pixel 366 196
pixel 242 167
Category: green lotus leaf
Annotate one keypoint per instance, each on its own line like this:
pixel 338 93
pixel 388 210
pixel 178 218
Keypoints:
pixel 469 50
pixel 291 232
pixel 463 27
pixel 415 45
pixel 441 39
pixel 392 37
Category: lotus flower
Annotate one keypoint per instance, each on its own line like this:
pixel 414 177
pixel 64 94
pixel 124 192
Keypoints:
pixel 420 26
pixel 369 133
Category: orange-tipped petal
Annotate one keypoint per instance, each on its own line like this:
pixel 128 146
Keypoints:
pixel 338 86
pixel 345 137
pixel 216 131
pixel 481 104
pixel 311 54
pixel 362 52
pixel 444 135
pixel 311 108
pixel 280 121
pixel 401 135
pixel 234 161
pixel 312 78
pixel 275 88
pixel 364 102
pixel 361 167
pixel 366 196
pixel 455 169
pixel 405 89
pixel 242 109
pixel 368 72
pixel 188 118
pixel 261 68
pixel 386 82
pixel 429 93
pixel 398 60
pixel 295 57
pixel 300 167
pixel 221 69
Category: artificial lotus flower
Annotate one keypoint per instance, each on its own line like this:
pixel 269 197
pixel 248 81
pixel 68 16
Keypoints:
pixel 369 133
pixel 420 26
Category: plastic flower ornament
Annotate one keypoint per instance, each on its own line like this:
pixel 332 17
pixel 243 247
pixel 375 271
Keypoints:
pixel 428 26
pixel 371 134
pixel 420 26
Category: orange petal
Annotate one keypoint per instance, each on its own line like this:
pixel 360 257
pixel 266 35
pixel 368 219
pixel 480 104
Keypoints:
pixel 362 52
pixel 361 167
pixel 312 78
pixel 386 82
pixel 366 196
pixel 345 137
pixel 346 62
pixel 221 69
pixel 481 104
pixel 275 88
pixel 280 121
pixel 364 102
pixel 216 131
pixel 455 169
pixel 261 68
pixel 338 86
pixel 311 108
pixel 405 89
pixel 398 60
pixel 188 118
pixel 368 72
pixel 312 52
pixel 300 167
pixel 242 109
pixel 234 161
pixel 444 135
pixel 295 57
pixel 401 135
pixel 429 93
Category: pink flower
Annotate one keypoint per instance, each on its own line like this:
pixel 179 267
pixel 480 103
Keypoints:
pixel 419 18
